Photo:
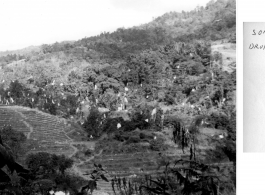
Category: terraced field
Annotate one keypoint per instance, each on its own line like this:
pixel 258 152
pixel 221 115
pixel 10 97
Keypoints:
pixel 51 134
pixel 44 132
pixel 136 165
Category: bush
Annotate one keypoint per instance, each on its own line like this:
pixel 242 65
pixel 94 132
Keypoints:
pixel 169 99
pixel 45 163
pixel 14 139
pixel 219 121
pixel 142 136
pixel 197 69
pixel 133 139
pixel 121 136
pixel 193 99
pixel 161 96
pixel 158 145
pixel 52 109
pixel 110 124
pixel 88 152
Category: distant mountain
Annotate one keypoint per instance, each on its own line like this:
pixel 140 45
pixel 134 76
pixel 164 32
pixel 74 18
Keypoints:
pixel 215 21
pixel 24 51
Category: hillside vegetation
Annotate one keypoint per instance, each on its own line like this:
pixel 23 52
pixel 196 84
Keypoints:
pixel 154 104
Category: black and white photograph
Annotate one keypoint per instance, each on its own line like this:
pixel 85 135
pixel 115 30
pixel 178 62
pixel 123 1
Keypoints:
pixel 123 97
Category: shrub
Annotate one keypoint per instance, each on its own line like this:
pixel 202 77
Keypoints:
pixel 133 139
pixel 158 145
pixel 193 99
pixel 161 96
pixel 111 124
pixel 219 121
pixel 45 163
pixel 14 139
pixel 169 99
pixel 142 136
pixel 196 69
pixel 121 136
pixel 88 152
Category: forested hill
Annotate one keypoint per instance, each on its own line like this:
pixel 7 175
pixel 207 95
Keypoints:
pixel 215 21
pixel 167 87
pixel 147 57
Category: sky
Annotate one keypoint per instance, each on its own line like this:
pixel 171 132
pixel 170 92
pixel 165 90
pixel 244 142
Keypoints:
pixel 34 22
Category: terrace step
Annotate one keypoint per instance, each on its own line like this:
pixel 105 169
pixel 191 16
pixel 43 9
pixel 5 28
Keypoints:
pixel 46 133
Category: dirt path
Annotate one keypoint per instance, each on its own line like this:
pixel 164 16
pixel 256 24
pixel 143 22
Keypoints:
pixel 30 129
pixel 26 123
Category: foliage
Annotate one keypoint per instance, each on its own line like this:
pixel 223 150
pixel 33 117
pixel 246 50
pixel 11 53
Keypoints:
pixel 180 135
pixel 4 60
pixel 158 145
pixel 167 60
pixel 92 125
pixel 219 121
pixel 9 182
pixel 96 174
pixel 126 186
pixel 169 99
pixel 186 177
pixel 88 152
pixel 229 147
pixel 14 139
pixel 51 168
pixel 45 163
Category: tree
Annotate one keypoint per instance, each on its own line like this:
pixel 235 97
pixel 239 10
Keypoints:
pixel 95 175
pixel 187 177
pixel 43 164
pixel 7 159
pixel 64 163
pixel 49 171
pixel 92 124
pixel 14 139
pixel 16 89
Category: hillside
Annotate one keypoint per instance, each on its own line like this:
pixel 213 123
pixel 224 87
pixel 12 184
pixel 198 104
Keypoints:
pixel 43 131
pixel 22 52
pixel 213 22
pixel 46 133
pixel 133 101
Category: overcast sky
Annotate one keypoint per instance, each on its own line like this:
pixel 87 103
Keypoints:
pixel 34 22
